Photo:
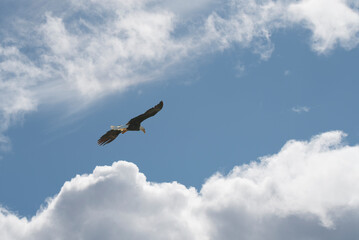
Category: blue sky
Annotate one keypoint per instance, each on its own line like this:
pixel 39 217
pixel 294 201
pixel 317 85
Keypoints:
pixel 242 83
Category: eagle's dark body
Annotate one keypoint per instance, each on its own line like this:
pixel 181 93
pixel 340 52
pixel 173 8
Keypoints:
pixel 133 125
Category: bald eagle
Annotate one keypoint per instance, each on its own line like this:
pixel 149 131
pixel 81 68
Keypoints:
pixel 133 125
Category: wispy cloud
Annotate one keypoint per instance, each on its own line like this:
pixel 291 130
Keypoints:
pixel 97 49
pixel 300 109
pixel 84 50
pixel 307 190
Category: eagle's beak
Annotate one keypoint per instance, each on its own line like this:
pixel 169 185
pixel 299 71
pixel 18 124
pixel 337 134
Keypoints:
pixel 143 130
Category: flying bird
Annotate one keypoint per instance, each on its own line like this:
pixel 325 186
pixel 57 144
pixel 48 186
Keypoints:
pixel 133 125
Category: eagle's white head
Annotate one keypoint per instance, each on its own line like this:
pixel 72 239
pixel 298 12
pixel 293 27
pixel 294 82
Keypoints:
pixel 143 129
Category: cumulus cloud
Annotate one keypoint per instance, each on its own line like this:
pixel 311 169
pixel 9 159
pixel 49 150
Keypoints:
pixel 308 190
pixel 331 22
pixel 84 50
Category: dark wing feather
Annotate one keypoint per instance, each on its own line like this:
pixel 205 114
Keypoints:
pixel 108 137
pixel 149 113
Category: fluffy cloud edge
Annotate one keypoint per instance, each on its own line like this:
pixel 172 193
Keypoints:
pixel 309 187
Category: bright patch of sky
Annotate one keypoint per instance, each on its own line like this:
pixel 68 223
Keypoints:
pixel 239 80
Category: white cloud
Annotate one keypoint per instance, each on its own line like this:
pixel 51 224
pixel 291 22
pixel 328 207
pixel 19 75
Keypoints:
pixel 331 21
pixel 251 23
pixel 246 23
pixel 17 76
pixel 96 49
pixel 84 50
pixel 300 109
pixel 309 190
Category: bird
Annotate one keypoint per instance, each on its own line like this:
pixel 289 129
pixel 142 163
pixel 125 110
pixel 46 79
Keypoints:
pixel 133 125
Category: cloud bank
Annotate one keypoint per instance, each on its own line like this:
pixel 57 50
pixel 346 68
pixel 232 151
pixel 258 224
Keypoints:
pixel 308 190
pixel 85 50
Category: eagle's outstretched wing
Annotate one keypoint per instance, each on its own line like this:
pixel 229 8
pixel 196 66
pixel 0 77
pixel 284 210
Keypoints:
pixel 149 113
pixel 108 137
